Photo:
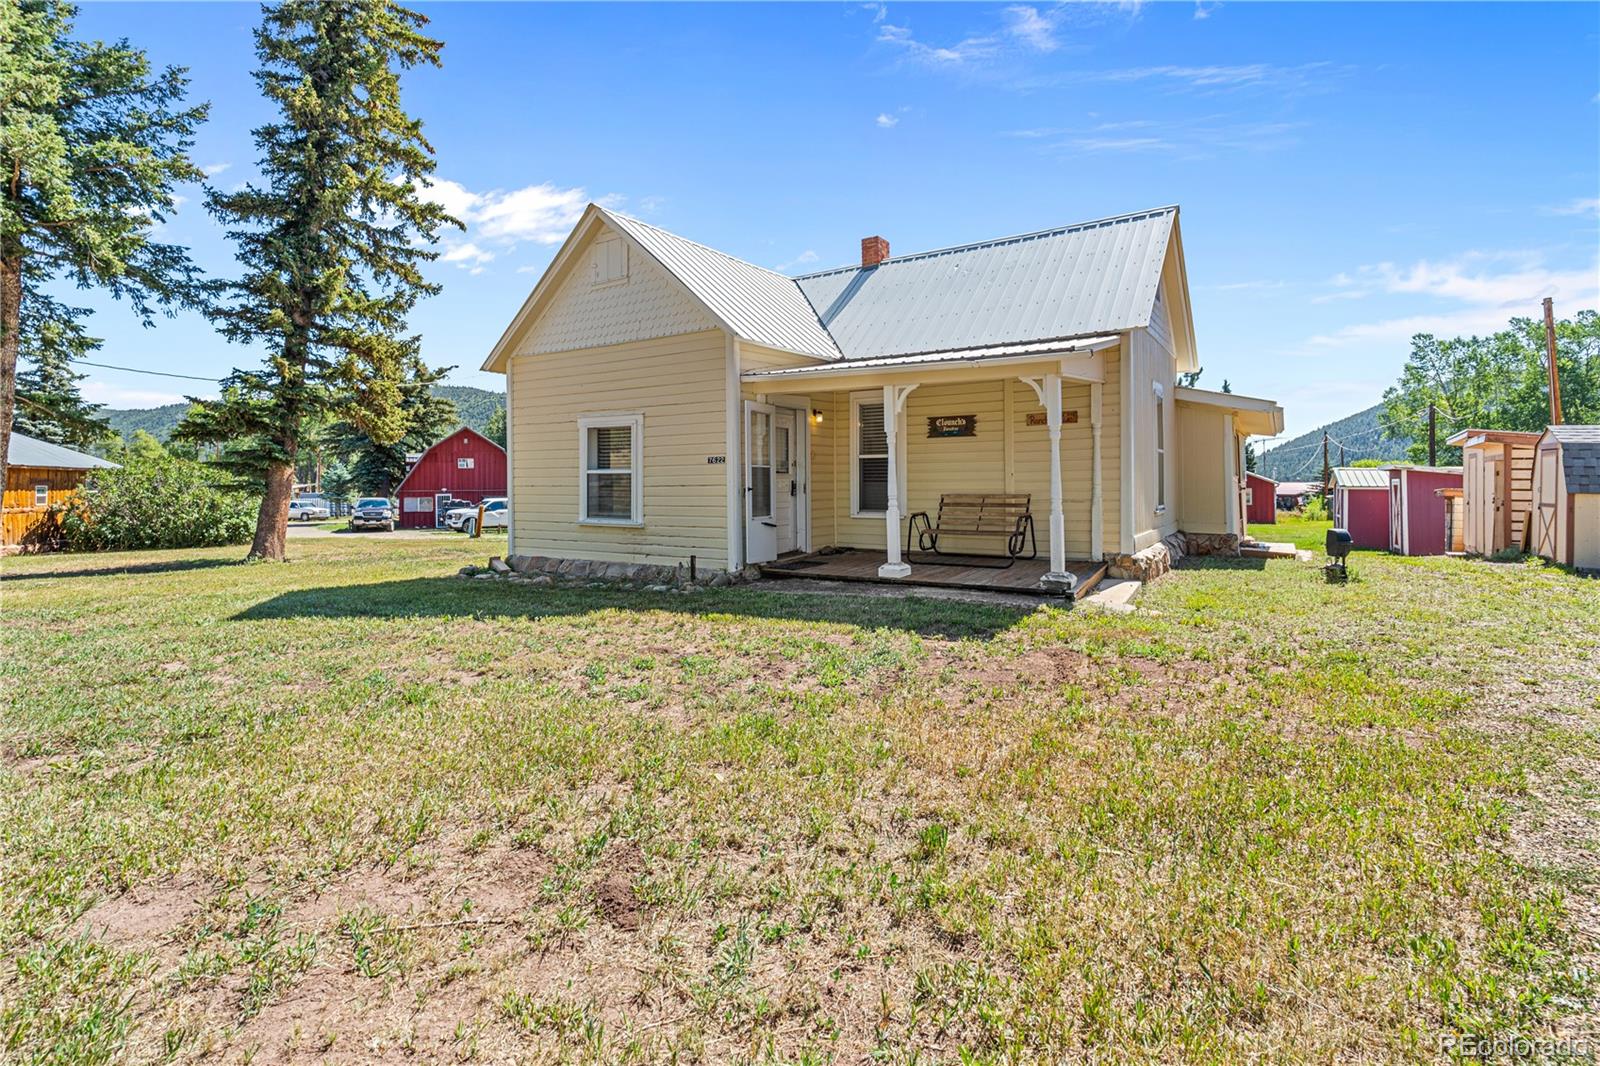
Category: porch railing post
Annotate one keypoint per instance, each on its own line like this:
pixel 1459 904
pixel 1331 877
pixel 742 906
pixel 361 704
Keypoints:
pixel 893 566
pixel 1058 525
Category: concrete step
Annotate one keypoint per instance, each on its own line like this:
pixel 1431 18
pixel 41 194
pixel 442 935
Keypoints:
pixel 1267 551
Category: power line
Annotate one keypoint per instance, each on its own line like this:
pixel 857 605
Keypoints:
pixel 154 373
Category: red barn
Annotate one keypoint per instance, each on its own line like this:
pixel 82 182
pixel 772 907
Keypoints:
pixel 1260 498
pixel 1361 504
pixel 1417 509
pixel 466 465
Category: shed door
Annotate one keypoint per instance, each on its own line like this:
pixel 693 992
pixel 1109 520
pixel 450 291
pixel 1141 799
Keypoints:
pixel 1397 518
pixel 1475 502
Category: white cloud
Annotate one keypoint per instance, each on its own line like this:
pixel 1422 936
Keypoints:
pixel 466 253
pixel 213 169
pixel 962 52
pixel 1581 206
pixel 886 121
pixel 1480 292
pixel 650 204
pixel 543 213
pixel 1121 144
pixel 1203 10
pixel 1031 28
pixel 806 257
pixel 538 214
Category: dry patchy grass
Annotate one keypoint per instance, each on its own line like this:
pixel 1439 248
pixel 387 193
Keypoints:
pixel 351 809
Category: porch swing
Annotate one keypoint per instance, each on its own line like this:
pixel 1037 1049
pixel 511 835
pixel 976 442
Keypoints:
pixel 1005 516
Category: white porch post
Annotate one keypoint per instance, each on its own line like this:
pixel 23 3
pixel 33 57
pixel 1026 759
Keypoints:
pixel 1058 524
pixel 1097 522
pixel 894 397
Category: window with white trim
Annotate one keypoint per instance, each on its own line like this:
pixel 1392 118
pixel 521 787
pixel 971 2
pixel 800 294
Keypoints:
pixel 869 455
pixel 41 495
pixel 611 460
pixel 466 462
pixel 1161 448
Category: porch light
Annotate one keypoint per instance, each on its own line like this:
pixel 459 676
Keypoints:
pixel 816 415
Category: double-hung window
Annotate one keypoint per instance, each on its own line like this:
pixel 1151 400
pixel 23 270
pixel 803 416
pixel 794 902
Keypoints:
pixel 41 495
pixel 869 455
pixel 611 462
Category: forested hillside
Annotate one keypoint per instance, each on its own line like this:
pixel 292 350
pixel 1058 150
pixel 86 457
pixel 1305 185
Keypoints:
pixel 1300 459
pixel 474 406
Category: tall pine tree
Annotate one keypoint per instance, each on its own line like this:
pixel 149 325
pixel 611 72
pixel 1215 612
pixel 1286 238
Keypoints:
pixel 92 144
pixel 332 241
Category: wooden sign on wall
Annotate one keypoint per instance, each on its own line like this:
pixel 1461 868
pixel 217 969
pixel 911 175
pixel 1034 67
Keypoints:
pixel 952 425
pixel 1039 418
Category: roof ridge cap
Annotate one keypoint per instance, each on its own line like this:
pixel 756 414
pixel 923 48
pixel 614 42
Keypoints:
pixel 1048 231
pixel 698 244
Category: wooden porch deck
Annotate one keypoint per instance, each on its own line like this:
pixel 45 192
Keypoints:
pixel 855 564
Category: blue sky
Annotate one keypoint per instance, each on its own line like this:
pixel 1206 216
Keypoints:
pixel 1348 174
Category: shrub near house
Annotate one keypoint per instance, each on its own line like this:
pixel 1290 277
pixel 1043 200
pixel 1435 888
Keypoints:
pixel 156 502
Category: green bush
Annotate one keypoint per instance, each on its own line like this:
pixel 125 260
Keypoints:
pixel 1316 509
pixel 156 502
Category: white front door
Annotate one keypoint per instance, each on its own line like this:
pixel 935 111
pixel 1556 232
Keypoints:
pixel 760 483
pixel 788 444
pixel 441 504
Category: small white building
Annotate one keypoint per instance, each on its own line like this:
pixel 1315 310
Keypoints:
pixel 1566 496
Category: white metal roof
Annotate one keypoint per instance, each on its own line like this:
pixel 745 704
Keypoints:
pixel 31 451
pixel 757 304
pixel 1361 477
pixel 1090 278
pixel 960 356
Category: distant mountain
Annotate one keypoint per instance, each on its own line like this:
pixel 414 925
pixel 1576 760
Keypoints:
pixel 474 406
pixel 1300 459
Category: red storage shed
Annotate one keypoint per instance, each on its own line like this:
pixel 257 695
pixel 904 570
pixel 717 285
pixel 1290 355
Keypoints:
pixel 466 465
pixel 1260 498
pixel 1417 509
pixel 1361 504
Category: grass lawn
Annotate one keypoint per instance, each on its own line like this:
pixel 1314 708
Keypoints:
pixel 355 808
pixel 1304 533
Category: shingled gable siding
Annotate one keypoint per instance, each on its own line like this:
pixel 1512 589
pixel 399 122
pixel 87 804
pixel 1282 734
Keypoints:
pixel 677 384
pixel 648 303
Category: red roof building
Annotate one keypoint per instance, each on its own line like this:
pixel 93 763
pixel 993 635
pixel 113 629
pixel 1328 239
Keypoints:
pixel 466 465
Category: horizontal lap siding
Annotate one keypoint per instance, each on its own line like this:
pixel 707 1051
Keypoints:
pixel 677 384
pixel 979 463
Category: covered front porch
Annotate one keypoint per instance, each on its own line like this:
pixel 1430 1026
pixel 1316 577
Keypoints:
pixel 840 457
pixel 860 565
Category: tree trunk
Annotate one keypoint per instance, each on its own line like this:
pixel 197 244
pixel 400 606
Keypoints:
pixel 10 341
pixel 272 522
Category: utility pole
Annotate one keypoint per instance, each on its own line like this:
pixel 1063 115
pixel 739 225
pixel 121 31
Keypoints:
pixel 1550 350
pixel 1327 474
pixel 1341 455
pixel 1433 426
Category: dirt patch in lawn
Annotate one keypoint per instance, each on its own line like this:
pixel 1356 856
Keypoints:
pixel 146 916
pixel 614 895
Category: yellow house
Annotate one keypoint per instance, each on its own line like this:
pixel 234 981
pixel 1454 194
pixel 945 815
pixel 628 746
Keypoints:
pixel 667 401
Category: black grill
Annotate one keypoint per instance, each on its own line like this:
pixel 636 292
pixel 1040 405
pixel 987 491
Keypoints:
pixel 1338 543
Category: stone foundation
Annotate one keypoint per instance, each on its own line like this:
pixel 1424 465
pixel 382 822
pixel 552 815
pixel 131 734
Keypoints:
pixel 1152 562
pixel 543 570
pixel 1226 544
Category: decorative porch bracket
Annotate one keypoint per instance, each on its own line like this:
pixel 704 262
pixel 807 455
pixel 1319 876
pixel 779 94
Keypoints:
pixel 894 402
pixel 1048 389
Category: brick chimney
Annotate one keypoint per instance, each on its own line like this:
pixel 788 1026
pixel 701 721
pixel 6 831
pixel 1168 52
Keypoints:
pixel 874 250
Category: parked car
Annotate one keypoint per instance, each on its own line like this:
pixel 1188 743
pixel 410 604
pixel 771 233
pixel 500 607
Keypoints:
pixel 309 509
pixel 464 518
pixel 372 512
